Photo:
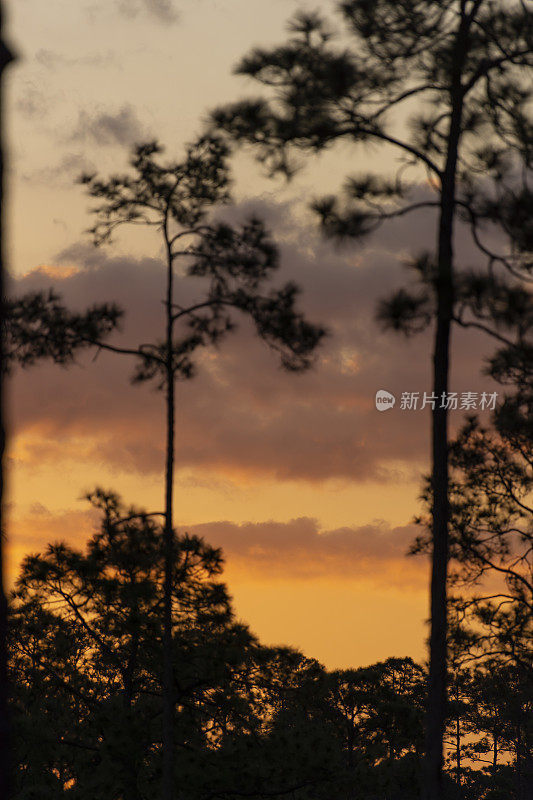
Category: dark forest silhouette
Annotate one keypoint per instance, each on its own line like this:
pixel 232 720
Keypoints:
pixel 251 721
pixel 130 676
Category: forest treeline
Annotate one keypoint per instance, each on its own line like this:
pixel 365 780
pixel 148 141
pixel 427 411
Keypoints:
pixel 251 720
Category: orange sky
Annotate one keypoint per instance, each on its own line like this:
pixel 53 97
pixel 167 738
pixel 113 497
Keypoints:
pixel 254 446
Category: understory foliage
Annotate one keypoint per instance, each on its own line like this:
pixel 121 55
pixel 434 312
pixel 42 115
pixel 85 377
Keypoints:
pixel 251 721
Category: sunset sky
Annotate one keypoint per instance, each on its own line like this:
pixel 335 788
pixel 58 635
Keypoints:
pixel 307 487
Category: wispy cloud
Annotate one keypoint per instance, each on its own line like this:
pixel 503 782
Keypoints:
pixel 63 173
pixel 53 60
pixel 161 10
pixel 33 102
pixel 120 127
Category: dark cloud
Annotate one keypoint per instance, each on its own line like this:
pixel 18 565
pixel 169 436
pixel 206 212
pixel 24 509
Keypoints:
pixel 242 412
pixel 121 127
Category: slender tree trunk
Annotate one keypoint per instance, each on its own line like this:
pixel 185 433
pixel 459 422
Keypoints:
pixel 5 58
pixel 458 753
pixel 436 711
pixel 437 692
pixel 168 672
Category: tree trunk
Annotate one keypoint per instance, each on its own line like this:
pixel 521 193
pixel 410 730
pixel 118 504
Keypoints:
pixel 5 58
pixel 437 693
pixel 131 788
pixel 168 672
pixel 436 712
pixel 458 753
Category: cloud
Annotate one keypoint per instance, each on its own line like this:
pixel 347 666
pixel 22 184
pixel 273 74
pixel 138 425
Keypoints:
pixel 33 102
pixel 242 415
pixel 52 60
pixel 161 10
pixel 298 549
pixel 34 529
pixel 103 128
pixel 64 172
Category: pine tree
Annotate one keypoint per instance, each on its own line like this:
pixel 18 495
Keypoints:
pixel 458 71
pixel 178 199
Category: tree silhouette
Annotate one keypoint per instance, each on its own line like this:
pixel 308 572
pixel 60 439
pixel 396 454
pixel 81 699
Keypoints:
pixel 236 261
pixel 488 730
pixel 86 646
pixel 292 751
pixel 459 705
pixel 491 544
pixel 466 59
pixel 491 607
pixel 5 58
pixel 86 650
pixel 500 715
pixel 378 713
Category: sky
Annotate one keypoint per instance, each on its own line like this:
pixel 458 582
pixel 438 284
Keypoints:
pixel 307 487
